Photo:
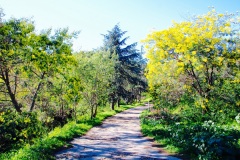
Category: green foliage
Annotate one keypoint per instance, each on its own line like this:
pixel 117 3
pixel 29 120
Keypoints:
pixel 238 118
pixel 57 139
pixel 18 129
pixel 128 80
pixel 205 140
pixel 95 70
pixel 203 136
pixel 193 75
pixel 30 62
pixel 13 46
pixel 198 57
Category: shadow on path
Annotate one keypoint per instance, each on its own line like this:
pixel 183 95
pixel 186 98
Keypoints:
pixel 119 137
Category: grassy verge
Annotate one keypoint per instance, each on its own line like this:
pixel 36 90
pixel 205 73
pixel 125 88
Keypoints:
pixel 198 140
pixel 43 148
pixel 153 128
pixel 146 98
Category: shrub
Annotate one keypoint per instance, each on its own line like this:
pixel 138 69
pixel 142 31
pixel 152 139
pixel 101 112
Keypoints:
pixel 203 140
pixel 17 129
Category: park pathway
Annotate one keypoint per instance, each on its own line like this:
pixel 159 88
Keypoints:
pixel 119 137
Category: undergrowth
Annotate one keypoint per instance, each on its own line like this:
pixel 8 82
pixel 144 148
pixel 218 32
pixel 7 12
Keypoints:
pixel 58 139
pixel 190 135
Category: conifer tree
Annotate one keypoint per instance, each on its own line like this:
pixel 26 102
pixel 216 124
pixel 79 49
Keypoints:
pixel 128 79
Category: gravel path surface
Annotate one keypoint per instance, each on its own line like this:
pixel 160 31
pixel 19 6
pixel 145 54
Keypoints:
pixel 119 137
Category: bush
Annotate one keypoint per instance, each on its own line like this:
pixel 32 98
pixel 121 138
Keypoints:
pixel 17 129
pixel 45 146
pixel 205 140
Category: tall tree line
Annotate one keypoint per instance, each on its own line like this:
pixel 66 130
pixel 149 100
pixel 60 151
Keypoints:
pixel 38 71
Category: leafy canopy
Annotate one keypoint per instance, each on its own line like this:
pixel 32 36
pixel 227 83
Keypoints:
pixel 201 55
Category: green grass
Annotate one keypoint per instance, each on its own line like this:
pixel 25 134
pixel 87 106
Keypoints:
pixel 58 139
pixel 194 140
pixel 152 129
pixel 147 98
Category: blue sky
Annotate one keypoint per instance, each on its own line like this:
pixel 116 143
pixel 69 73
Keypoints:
pixel 95 17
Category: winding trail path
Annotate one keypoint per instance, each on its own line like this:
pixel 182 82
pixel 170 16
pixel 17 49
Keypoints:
pixel 119 137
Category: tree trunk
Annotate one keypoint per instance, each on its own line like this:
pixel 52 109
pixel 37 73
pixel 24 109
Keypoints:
pixel 35 96
pixel 139 99
pixel 92 114
pixel 112 104
pixel 118 102
pixel 16 105
pixel 95 112
pixel 36 93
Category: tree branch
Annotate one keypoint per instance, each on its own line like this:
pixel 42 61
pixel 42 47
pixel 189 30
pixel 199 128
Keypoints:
pixel 36 92
pixel 200 91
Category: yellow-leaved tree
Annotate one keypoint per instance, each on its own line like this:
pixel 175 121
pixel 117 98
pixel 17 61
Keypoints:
pixel 200 56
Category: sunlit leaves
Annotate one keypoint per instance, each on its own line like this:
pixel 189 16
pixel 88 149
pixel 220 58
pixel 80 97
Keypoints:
pixel 197 53
pixel 30 60
pixel 95 70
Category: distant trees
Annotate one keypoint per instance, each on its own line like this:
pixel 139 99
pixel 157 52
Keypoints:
pixel 128 80
pixel 95 70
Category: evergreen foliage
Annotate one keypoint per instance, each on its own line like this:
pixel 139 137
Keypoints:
pixel 128 81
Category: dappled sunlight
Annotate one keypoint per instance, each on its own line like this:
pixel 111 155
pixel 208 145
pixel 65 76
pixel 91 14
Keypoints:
pixel 119 137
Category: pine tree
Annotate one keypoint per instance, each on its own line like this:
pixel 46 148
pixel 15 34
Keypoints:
pixel 128 79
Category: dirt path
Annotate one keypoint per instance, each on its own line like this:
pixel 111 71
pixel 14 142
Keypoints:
pixel 119 137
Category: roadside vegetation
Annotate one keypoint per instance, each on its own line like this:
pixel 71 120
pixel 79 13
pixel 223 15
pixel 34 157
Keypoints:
pixel 193 75
pixel 50 94
pixel 45 146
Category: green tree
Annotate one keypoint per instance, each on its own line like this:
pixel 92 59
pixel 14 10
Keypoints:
pixel 29 60
pixel 49 56
pixel 95 70
pixel 128 69
pixel 14 43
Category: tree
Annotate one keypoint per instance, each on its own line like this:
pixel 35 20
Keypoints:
pixel 202 55
pixel 95 70
pixel 1 15
pixel 29 60
pixel 49 55
pixel 14 43
pixel 128 69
